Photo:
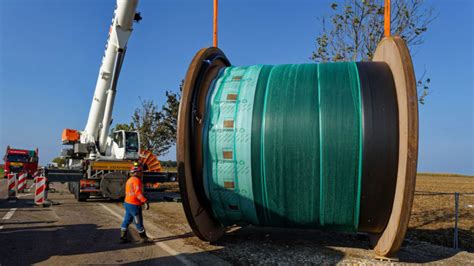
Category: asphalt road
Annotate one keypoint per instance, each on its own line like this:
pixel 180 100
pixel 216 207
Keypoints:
pixel 71 232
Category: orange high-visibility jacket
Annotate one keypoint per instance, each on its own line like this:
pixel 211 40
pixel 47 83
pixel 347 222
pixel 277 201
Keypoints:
pixel 133 191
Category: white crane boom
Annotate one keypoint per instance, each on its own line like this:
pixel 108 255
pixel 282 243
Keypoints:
pixel 99 163
pixel 100 114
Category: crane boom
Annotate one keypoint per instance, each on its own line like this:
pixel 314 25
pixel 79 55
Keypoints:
pixel 99 163
pixel 100 114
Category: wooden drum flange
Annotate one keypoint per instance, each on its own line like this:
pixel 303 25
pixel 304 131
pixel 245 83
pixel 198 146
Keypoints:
pixel 394 52
pixel 204 68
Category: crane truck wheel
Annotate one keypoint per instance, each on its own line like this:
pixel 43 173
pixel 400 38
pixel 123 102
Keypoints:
pixel 70 186
pixel 112 185
pixel 77 192
pixel 73 187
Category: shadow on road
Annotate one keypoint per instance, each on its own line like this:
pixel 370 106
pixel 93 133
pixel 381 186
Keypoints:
pixel 168 238
pixel 443 237
pixel 200 258
pixel 18 203
pixel 29 222
pixel 28 245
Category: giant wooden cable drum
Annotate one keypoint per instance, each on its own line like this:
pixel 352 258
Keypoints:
pixel 325 146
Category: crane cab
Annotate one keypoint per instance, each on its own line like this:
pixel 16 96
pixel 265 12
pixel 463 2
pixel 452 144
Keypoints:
pixel 126 145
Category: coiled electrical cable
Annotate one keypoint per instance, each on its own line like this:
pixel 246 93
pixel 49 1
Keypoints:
pixel 328 146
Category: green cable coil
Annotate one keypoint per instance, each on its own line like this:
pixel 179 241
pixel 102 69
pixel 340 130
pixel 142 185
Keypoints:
pixel 283 145
pixel 329 146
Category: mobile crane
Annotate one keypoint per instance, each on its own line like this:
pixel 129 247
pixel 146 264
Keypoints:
pixel 98 163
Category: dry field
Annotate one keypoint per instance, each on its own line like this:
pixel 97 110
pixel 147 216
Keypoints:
pixel 432 218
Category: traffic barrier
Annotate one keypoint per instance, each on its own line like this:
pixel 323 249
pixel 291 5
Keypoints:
pixel 35 175
pixel 40 190
pixel 22 181
pixel 12 186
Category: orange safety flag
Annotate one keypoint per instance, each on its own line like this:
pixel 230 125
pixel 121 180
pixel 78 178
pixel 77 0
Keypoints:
pixel 134 191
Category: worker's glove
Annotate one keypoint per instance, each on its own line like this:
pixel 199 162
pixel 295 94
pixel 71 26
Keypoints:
pixel 147 206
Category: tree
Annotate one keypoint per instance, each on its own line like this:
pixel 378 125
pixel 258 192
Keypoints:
pixel 126 127
pixel 60 161
pixel 157 127
pixel 356 27
pixel 170 110
pixel 169 163
pixel 148 121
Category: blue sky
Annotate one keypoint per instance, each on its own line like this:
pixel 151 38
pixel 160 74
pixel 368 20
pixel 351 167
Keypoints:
pixel 50 52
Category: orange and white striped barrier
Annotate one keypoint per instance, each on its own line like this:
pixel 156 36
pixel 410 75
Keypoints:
pixel 22 181
pixel 12 186
pixel 40 190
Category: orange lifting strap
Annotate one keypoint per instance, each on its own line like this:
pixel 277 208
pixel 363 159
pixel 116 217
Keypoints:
pixel 214 40
pixel 387 18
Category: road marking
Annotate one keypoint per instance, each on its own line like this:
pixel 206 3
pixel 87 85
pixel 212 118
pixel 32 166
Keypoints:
pixel 162 245
pixel 9 214
pixel 24 195
pixel 111 211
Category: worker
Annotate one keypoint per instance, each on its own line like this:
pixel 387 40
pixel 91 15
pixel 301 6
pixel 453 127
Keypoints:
pixel 134 200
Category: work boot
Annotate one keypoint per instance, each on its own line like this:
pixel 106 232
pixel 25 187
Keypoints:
pixel 123 236
pixel 144 238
